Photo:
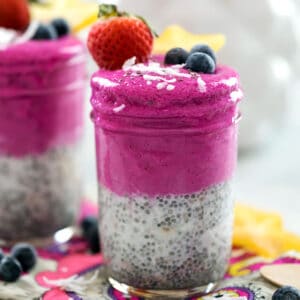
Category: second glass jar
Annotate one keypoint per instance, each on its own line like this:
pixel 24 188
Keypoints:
pixel 42 88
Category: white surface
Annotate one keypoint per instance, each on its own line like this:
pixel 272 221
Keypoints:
pixel 270 178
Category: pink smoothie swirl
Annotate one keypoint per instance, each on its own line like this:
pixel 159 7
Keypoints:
pixel 164 130
pixel 42 92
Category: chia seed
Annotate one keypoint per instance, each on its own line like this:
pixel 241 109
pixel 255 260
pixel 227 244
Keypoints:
pixel 187 246
pixel 40 196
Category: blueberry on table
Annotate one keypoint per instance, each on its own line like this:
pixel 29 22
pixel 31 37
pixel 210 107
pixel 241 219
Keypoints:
pixel 45 32
pixel 90 231
pixel 61 27
pixel 286 293
pixel 176 56
pixel 1 254
pixel 93 238
pixel 26 256
pixel 87 223
pixel 200 62
pixel 202 48
pixel 10 269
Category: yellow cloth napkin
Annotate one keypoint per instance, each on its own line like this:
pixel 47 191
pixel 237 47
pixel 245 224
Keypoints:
pixel 262 232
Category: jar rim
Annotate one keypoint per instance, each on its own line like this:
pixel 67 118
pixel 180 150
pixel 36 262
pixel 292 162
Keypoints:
pixel 168 126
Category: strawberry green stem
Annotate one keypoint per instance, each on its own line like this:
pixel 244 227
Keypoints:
pixel 40 2
pixel 107 11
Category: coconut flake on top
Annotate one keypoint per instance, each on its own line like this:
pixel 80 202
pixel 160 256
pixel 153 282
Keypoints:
pixel 155 72
pixel 154 89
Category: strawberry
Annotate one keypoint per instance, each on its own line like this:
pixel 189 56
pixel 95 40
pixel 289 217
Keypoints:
pixel 14 14
pixel 116 37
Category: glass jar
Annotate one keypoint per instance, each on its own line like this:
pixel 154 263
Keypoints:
pixel 42 86
pixel 166 205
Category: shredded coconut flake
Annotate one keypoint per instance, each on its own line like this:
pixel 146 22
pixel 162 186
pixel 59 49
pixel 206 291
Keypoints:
pixel 173 71
pixel 119 108
pixel 201 85
pixel 158 78
pixel 129 63
pixel 156 68
pixel 177 66
pixel 150 68
pixel 232 81
pixel 155 72
pixel 105 82
pixel 170 87
pixel 161 85
pixel 236 95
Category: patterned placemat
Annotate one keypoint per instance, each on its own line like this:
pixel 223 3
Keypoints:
pixel 67 271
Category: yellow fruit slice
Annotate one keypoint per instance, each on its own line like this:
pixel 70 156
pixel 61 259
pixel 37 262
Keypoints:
pixel 246 215
pixel 291 241
pixel 176 36
pixel 262 232
pixel 78 13
pixel 89 20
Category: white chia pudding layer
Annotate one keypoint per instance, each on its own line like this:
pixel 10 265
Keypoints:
pixel 39 194
pixel 167 242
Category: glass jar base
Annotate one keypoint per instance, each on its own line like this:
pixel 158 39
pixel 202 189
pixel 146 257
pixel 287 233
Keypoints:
pixel 162 294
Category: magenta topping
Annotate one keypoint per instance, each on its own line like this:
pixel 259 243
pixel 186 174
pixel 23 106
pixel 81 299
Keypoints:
pixel 163 129
pixel 154 91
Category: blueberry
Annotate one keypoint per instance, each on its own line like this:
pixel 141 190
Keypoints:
pixel 87 223
pixel 26 255
pixel 202 48
pixel 176 56
pixel 90 231
pixel 10 269
pixel 45 32
pixel 93 238
pixel 286 293
pixel 1 254
pixel 200 62
pixel 61 26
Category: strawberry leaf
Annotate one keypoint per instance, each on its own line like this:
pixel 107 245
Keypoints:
pixel 155 34
pixel 107 11
pixel 39 2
